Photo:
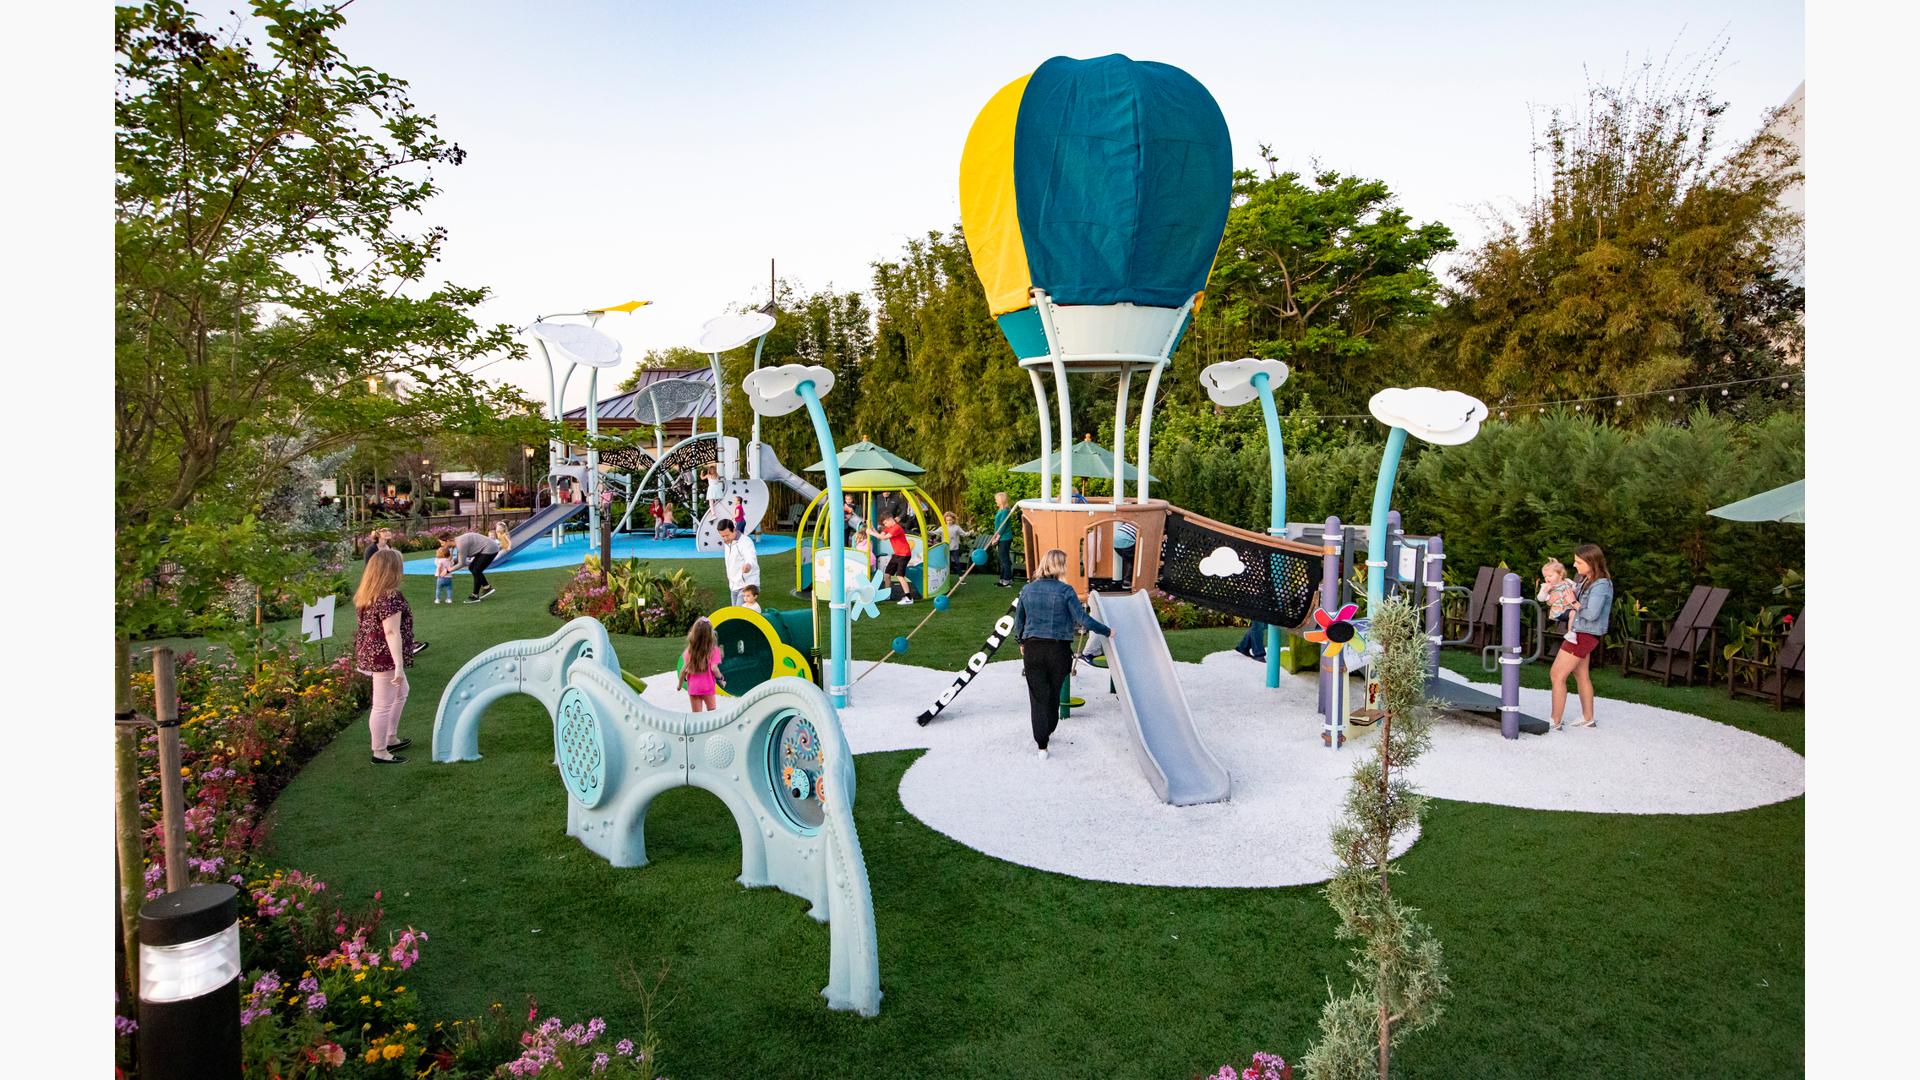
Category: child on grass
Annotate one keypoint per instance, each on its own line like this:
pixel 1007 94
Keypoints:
pixel 700 666
pixel 443 574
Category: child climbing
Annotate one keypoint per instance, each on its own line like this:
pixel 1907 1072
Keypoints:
pixel 443 574
pixel 700 666
pixel 896 536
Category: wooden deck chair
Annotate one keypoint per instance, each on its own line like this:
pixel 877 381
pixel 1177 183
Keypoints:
pixel 1484 628
pixel 1692 636
pixel 1783 680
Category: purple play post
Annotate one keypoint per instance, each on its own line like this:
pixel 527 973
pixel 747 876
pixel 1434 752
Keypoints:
pixel 1330 603
pixel 1510 659
pixel 1433 575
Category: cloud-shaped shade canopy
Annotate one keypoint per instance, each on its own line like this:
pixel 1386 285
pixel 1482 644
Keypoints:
pixel 1442 417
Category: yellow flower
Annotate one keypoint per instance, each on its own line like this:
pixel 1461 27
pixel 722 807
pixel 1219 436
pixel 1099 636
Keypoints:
pixel 393 1051
pixel 399 989
pixel 359 976
pixel 373 1056
pixel 365 998
pixel 409 1025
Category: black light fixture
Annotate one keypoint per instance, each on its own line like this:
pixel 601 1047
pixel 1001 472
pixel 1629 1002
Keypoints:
pixel 190 985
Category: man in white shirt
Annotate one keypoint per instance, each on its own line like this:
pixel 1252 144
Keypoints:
pixel 743 562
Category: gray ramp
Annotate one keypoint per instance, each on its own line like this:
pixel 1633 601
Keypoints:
pixel 540 524
pixel 1178 765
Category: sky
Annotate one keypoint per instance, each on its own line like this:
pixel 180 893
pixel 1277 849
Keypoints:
pixel 667 151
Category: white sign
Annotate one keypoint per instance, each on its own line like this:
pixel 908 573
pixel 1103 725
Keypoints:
pixel 1409 562
pixel 316 619
pixel 330 488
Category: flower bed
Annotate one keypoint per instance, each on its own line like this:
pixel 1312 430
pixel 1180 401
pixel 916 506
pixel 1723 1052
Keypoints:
pixel 1179 615
pixel 636 599
pixel 326 990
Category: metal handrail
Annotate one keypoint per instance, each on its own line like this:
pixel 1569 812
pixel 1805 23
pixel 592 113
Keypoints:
pixel 1446 642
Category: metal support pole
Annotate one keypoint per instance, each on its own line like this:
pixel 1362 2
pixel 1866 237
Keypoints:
pixel 1276 501
pixel 1329 602
pixel 1046 436
pixel 1044 304
pixel 1510 659
pixel 173 811
pixel 1396 539
pixel 1435 574
pixel 1120 436
pixel 592 486
pixel 190 985
pixel 1145 454
pixel 837 616
pixel 1377 526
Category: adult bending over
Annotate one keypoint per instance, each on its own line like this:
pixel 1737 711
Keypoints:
pixel 1049 615
pixel 382 633
pixel 476 551
pixel 1592 612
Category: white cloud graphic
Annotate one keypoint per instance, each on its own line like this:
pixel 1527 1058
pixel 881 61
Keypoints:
pixel 1224 562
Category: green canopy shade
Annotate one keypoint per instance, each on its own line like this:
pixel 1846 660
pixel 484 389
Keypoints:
pixel 877 480
pixel 866 455
pixel 1091 461
pixel 1788 502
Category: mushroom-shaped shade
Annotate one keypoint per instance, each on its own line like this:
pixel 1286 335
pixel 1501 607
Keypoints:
pixel 1443 417
pixel 1230 382
pixel 726 332
pixel 580 344
pixel 774 391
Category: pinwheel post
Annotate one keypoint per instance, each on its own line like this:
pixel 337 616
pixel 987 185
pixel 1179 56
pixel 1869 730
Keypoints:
pixel 1441 417
pixel 1340 641
pixel 778 391
pixel 1235 382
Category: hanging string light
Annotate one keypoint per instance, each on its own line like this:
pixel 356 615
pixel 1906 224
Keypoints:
pixel 1673 395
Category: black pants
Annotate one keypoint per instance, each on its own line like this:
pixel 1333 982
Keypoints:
pixel 477 566
pixel 1047 664
pixel 1004 549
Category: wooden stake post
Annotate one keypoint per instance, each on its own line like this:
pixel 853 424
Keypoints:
pixel 173 815
pixel 126 810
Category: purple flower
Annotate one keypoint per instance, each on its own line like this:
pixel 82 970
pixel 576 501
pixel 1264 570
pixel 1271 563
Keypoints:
pixel 124 1026
pixel 624 1047
pixel 600 1063
pixel 316 1001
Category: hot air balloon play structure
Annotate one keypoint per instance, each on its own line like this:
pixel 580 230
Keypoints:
pixel 1093 194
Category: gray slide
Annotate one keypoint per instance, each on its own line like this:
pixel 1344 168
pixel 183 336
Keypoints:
pixel 1178 765
pixel 772 471
pixel 540 524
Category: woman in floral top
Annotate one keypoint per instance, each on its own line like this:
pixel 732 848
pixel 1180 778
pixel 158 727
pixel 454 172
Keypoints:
pixel 384 631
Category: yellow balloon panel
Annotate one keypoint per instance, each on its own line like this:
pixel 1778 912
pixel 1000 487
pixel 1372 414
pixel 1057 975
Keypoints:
pixel 989 211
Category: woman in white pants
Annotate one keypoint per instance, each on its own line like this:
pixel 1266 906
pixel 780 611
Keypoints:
pixel 384 631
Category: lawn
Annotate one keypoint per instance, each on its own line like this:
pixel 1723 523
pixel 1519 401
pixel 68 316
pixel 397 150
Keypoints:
pixel 1579 945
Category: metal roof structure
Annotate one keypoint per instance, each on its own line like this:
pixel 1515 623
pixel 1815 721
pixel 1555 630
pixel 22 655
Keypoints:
pixel 632 410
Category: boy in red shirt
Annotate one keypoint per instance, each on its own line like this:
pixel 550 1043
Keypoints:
pixel 891 531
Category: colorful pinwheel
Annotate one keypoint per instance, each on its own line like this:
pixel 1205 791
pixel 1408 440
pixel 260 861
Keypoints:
pixel 1337 632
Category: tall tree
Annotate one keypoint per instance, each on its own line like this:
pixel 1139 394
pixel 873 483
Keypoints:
pixel 1314 272
pixel 266 282
pixel 1648 260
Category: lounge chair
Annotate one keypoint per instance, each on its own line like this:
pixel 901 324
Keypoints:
pixel 1783 680
pixel 1692 636
pixel 1460 626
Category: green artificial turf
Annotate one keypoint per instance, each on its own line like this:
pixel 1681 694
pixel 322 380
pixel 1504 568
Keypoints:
pixel 1579 945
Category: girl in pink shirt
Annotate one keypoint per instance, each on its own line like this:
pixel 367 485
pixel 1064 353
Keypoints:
pixel 700 666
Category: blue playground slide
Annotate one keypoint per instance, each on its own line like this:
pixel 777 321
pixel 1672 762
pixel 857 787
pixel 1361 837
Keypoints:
pixel 540 524
pixel 1178 765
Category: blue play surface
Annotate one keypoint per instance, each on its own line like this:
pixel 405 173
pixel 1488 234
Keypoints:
pixel 542 555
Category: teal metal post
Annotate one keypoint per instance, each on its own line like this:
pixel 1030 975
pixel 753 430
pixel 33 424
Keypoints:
pixel 1277 504
pixel 1377 527
pixel 837 609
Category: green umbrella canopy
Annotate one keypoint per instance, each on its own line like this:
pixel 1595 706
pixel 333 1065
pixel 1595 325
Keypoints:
pixel 1788 502
pixel 866 455
pixel 1091 461
pixel 876 480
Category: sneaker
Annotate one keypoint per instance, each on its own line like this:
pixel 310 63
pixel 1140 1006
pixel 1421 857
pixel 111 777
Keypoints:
pixel 474 599
pixel 905 600
pixel 1006 584
pixel 1243 652
pixel 1042 755
pixel 486 592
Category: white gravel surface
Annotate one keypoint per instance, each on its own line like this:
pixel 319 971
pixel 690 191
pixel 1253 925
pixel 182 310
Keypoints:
pixel 1088 812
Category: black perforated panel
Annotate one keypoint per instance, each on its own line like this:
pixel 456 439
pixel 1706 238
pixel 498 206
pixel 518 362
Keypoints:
pixel 1276 586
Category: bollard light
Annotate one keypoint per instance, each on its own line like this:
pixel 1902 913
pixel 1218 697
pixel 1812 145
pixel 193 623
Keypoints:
pixel 190 985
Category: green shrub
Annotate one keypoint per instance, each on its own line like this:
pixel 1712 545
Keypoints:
pixel 636 598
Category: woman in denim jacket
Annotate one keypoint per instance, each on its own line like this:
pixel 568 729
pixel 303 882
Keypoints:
pixel 1044 624
pixel 1591 614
